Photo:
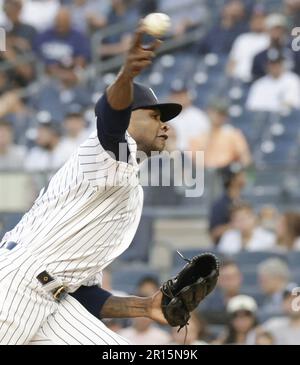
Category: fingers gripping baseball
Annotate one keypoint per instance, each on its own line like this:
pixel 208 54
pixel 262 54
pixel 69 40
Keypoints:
pixel 139 57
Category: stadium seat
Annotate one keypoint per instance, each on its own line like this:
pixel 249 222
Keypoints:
pixel 246 259
pixel 295 275
pixel 8 221
pixel 249 275
pixel 294 259
pixel 142 242
pixel 253 291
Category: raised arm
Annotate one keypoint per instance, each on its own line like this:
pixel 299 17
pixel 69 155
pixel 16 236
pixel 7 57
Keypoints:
pixel 113 110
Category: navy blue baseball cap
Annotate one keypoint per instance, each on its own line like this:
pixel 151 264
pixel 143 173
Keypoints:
pixel 145 98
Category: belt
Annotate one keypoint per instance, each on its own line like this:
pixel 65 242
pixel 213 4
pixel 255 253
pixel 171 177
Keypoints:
pixel 44 278
pixel 58 292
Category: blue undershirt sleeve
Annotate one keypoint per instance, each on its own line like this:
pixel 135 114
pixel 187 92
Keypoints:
pixel 111 127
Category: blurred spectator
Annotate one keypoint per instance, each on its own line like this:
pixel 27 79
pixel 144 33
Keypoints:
pixel 234 180
pixel 114 324
pixel 246 46
pixel 245 234
pixel 10 101
pixel 166 177
pixel 268 217
pixel 62 43
pixel 40 13
pixel 191 121
pixel 242 311
pixel 278 91
pixel 273 277
pixel 276 25
pixel 118 43
pixel 264 338
pixel 75 129
pixel 89 15
pixel 220 38
pixel 184 16
pixel 143 330
pixel 197 334
pixel 20 72
pixel 228 286
pixel 11 156
pixel 50 153
pixel 222 144
pixel 19 40
pixel 288 231
pixel 21 35
pixel 292 10
pixel 107 283
pixel 286 330
pixel 56 93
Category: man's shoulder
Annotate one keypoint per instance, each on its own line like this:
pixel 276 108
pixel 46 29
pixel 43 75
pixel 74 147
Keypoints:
pixel 244 38
pixel 230 130
pixel 262 82
pixel 290 76
pixel 231 234
pixel 276 323
pixel 262 232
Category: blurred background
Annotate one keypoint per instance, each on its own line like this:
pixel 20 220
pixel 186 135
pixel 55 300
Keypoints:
pixel 232 66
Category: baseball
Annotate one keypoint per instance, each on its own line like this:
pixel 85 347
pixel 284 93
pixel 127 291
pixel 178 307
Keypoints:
pixel 157 24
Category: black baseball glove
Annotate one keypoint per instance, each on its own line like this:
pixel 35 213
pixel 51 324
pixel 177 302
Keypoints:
pixel 183 293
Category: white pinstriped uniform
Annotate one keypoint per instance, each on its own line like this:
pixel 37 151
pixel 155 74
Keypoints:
pixel 86 217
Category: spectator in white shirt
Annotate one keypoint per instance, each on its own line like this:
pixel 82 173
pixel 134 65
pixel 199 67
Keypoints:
pixel 273 277
pixel 50 153
pixel 11 156
pixel 197 334
pixel 278 91
pixel 40 13
pixel 245 234
pixel 288 231
pixel 144 331
pixel 191 122
pixel 246 46
pixel 286 330
pixel 75 130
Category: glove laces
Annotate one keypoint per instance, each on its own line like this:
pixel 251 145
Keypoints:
pixel 186 325
pixel 183 258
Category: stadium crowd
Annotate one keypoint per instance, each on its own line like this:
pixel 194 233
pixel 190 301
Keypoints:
pixel 47 97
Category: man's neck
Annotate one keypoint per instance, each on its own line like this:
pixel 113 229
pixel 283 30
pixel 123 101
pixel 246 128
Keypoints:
pixel 234 193
pixel 215 128
pixel 51 146
pixel 276 77
pixel 246 235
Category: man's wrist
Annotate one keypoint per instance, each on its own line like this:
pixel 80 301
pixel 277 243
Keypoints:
pixel 125 76
pixel 148 306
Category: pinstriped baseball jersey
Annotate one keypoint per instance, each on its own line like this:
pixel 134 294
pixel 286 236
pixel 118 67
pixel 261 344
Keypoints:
pixel 86 217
